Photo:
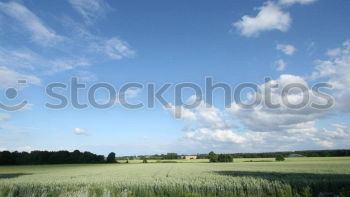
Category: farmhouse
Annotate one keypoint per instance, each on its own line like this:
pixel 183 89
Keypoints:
pixel 189 157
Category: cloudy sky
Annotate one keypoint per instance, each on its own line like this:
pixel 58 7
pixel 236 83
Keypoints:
pixel 159 42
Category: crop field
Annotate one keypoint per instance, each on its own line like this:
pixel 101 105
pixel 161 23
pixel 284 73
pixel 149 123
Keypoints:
pixel 244 177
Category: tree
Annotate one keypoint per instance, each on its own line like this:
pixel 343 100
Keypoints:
pixel 144 160
pixel 212 157
pixel 111 158
pixel 279 157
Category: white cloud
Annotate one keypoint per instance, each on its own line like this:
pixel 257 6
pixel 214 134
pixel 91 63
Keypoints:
pixel 79 131
pixel 80 49
pixel 26 59
pixel 334 52
pixel 63 64
pixel 336 70
pixel 281 65
pixel 291 2
pixel 270 17
pixel 9 78
pixel 206 117
pixel 181 112
pixel 216 135
pixel 40 33
pixel 19 58
pixel 286 48
pixel 291 133
pixel 118 49
pixel 265 129
pixel 282 119
pixel 113 48
pixel 90 10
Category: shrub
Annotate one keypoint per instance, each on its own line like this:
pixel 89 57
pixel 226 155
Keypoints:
pixel 279 157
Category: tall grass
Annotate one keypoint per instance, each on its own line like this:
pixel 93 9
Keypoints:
pixel 179 179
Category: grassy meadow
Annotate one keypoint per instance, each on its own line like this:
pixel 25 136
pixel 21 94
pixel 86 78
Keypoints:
pixel 244 177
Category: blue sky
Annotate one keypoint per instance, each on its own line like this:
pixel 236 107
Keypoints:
pixel 163 42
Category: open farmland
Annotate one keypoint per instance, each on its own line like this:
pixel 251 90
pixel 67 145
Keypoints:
pixel 295 176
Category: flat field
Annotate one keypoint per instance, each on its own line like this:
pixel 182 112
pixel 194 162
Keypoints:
pixel 244 177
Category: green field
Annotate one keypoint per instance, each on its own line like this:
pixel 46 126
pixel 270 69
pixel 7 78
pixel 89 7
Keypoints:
pixel 244 177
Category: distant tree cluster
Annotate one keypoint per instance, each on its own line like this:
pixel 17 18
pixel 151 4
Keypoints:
pixel 171 156
pixel 48 157
pixel 220 157
pixel 168 156
pixel 306 153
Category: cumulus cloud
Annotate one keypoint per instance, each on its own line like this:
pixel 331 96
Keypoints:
pixel 79 131
pixel 292 132
pixel 281 65
pixel 90 10
pixel 40 32
pixel 286 48
pixel 265 119
pixel 206 117
pixel 270 17
pixel 206 125
pixel 263 128
pixel 215 135
pixel 336 70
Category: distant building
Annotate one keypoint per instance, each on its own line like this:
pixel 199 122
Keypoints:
pixel 189 157
pixel 295 155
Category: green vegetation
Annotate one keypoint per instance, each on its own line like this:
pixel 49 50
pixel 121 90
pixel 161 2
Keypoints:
pixel 279 157
pixel 306 153
pixel 49 157
pixel 144 160
pixel 294 177
pixel 220 157
pixel 212 157
pixel 111 158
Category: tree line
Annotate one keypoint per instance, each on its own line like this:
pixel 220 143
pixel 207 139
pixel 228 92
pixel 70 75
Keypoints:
pixel 77 157
pixel 168 156
pixel 53 157
pixel 306 153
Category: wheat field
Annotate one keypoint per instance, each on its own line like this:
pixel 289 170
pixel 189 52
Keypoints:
pixel 244 177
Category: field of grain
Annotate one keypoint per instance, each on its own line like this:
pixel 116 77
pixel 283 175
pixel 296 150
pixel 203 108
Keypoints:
pixel 244 177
